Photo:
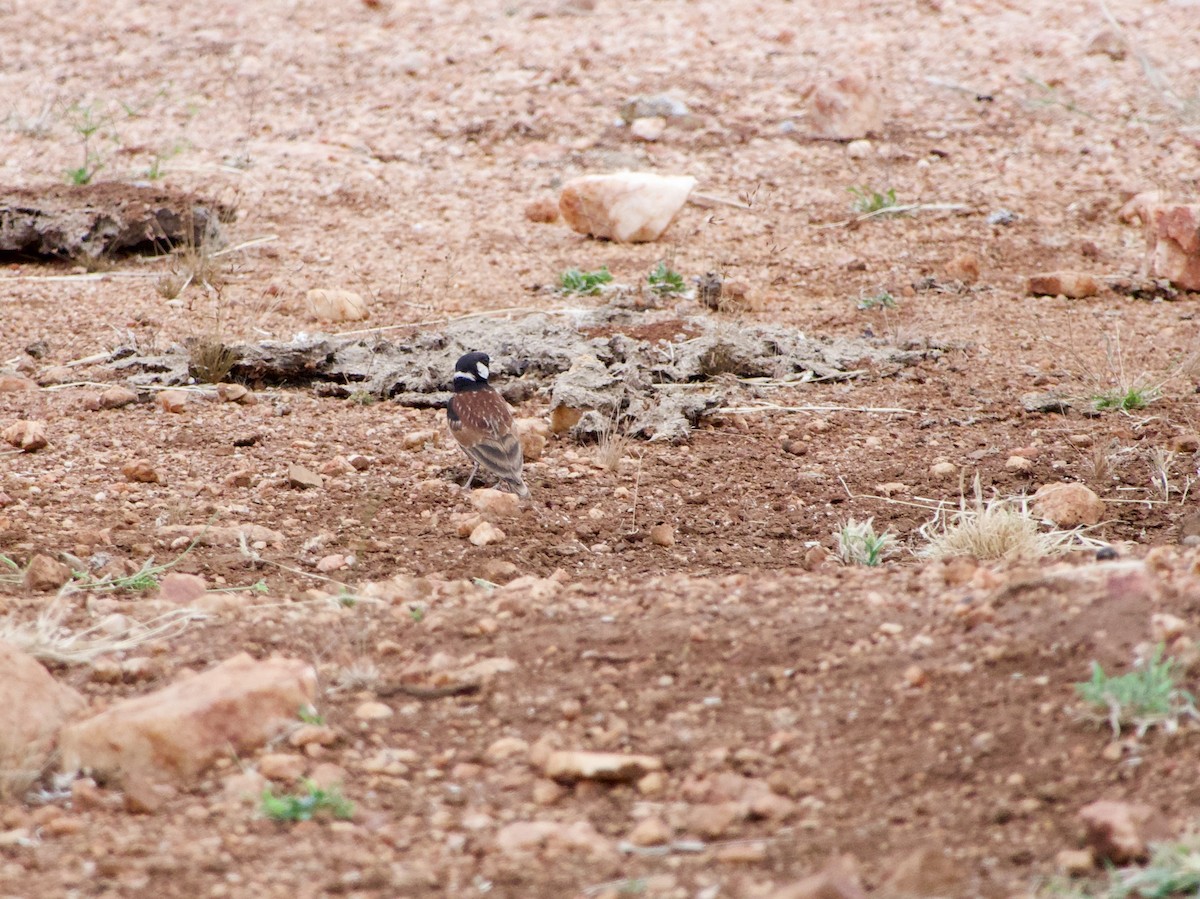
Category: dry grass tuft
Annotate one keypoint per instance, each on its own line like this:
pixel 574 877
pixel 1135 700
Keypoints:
pixel 998 530
pixel 48 639
pixel 611 448
pixel 210 360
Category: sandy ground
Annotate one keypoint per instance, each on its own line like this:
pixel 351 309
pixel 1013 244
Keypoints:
pixel 391 149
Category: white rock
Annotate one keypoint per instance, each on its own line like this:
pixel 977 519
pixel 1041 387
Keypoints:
pixel 648 129
pixel 336 305
pixel 629 207
pixel 484 533
pixel 499 503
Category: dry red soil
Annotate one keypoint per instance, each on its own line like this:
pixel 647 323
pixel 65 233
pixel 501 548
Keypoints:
pixel 391 149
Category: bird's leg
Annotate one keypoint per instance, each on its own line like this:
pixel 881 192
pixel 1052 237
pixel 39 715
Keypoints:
pixel 467 486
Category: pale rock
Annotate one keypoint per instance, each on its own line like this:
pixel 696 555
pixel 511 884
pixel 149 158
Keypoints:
pixel 328 776
pixel 1166 628
pixel 175 733
pixel 303 478
pixel 650 832
pixel 859 149
pixel 332 562
pixel 140 471
pixel 282 766
pixel 1018 465
pixel 568 766
pixel 714 820
pixel 926 873
pixel 312 734
pixel 1068 505
pixel 524 836
pixel 336 466
pixel 33 706
pixel 1172 232
pixel 230 392
pixel 846 108
pixel 498 503
pixel 658 106
pixel 1106 42
pixel 173 401
pixel 27 436
pixel 547 792
pixel 943 471
pixel 1068 284
pixel 839 879
pixel 245 787
pixel 15 384
pixel 543 210
pixel 652 784
pixel 628 207
pixel 506 748
pixel 533 434
pixel 372 711
pixel 181 589
pixel 335 305
pixel 414 440
pixel 485 533
pixel 116 397
pixel 648 128
pixel 662 535
pixel 44 574
pixel 1074 862
pixel 1118 832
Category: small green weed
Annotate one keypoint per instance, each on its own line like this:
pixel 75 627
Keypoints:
pixel 141 581
pixel 86 122
pixel 307 805
pixel 1143 699
pixel 309 715
pixel 416 613
pixel 580 283
pixel 881 300
pixel 1126 400
pixel 868 201
pixel 665 281
pixel 362 397
pixel 14 575
pixel 858 544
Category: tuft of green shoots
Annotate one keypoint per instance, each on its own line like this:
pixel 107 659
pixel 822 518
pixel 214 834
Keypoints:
pixel 313 802
pixel 665 281
pixel 881 300
pixel 858 544
pixel 580 283
pixel 1145 698
pixel 1126 400
pixel 867 201
pixel 309 715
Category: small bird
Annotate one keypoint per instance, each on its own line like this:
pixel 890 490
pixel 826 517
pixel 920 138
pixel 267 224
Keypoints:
pixel 482 423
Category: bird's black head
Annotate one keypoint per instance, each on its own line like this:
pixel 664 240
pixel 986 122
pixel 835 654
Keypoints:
pixel 471 371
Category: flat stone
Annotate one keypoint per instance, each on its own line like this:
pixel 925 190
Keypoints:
pixel 1074 285
pixel 173 734
pixel 303 478
pixel 44 574
pixel 569 766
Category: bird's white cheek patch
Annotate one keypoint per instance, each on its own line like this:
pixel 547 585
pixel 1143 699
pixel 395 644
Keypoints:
pixel 483 371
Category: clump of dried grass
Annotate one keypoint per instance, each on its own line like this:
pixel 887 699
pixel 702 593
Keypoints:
pixel 48 639
pixel 612 447
pixel 998 530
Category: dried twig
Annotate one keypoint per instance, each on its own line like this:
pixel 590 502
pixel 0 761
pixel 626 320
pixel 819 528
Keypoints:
pixel 771 407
